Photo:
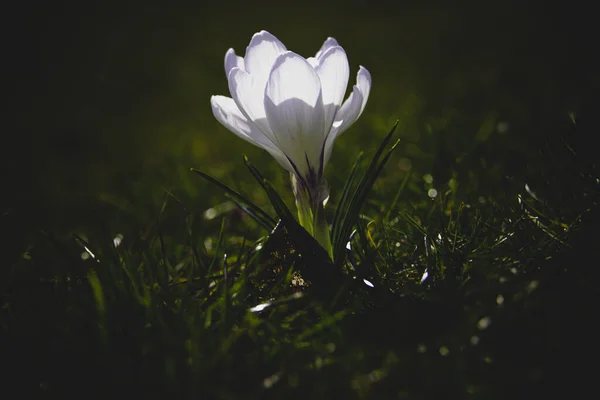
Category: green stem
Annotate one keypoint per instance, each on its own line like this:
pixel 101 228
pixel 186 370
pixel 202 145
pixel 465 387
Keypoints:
pixel 305 213
pixel 311 213
pixel 321 229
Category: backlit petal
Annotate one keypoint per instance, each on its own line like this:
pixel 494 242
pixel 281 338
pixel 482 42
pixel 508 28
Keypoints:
pixel 364 83
pixel 294 109
pixel 329 42
pixel 261 54
pixel 333 71
pixel 232 60
pixel 229 115
pixel 248 94
pixel 350 110
pixel 355 104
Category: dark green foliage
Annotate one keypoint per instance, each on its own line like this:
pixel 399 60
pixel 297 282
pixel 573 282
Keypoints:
pixel 354 196
pixel 466 270
pixel 445 299
pixel 242 202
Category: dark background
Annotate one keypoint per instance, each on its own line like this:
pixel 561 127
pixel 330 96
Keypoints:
pixel 107 105
pixel 108 102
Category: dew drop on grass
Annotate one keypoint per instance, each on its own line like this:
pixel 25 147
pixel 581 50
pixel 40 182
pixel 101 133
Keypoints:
pixel 499 299
pixel 211 213
pixel 117 240
pixel 268 382
pixel 502 127
pixel 532 286
pixel 484 323
pixel 424 277
pixel 260 307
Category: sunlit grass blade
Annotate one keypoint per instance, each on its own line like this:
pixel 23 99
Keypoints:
pixel 345 199
pixel 218 248
pixel 267 223
pixel 254 211
pixel 359 196
pixel 188 223
pixel 279 205
pixel 397 196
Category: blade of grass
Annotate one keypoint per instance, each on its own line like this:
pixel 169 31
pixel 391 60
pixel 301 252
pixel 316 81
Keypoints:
pixel 218 248
pixel 188 224
pixel 397 196
pixel 359 196
pixel 345 199
pixel 279 205
pixel 257 213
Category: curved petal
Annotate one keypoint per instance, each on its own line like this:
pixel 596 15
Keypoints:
pixel 329 42
pixel 355 104
pixel 247 85
pixel 232 60
pixel 350 110
pixel 333 71
pixel 248 94
pixel 363 79
pixel 294 109
pixel 345 117
pixel 261 54
pixel 229 115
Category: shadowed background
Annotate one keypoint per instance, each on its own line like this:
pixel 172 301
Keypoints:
pixel 109 103
pixel 108 108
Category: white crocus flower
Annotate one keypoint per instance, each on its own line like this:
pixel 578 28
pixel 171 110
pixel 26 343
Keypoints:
pixel 291 106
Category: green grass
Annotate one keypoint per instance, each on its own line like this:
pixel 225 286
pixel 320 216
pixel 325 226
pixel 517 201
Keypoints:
pixel 487 290
pixel 465 300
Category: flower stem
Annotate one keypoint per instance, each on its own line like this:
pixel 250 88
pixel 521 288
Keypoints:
pixel 311 213
pixel 321 229
pixel 305 213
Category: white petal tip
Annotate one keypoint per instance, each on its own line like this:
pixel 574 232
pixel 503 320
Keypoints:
pixel 363 70
pixel 262 35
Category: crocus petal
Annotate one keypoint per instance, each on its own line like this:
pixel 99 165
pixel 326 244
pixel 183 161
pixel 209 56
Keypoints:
pixel 290 106
pixel 261 54
pixel 350 110
pixel 229 115
pixel 294 109
pixel 333 71
pixel 232 60
pixel 354 106
pixel 248 94
pixel 329 42
pixel 363 79
pixel 313 61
